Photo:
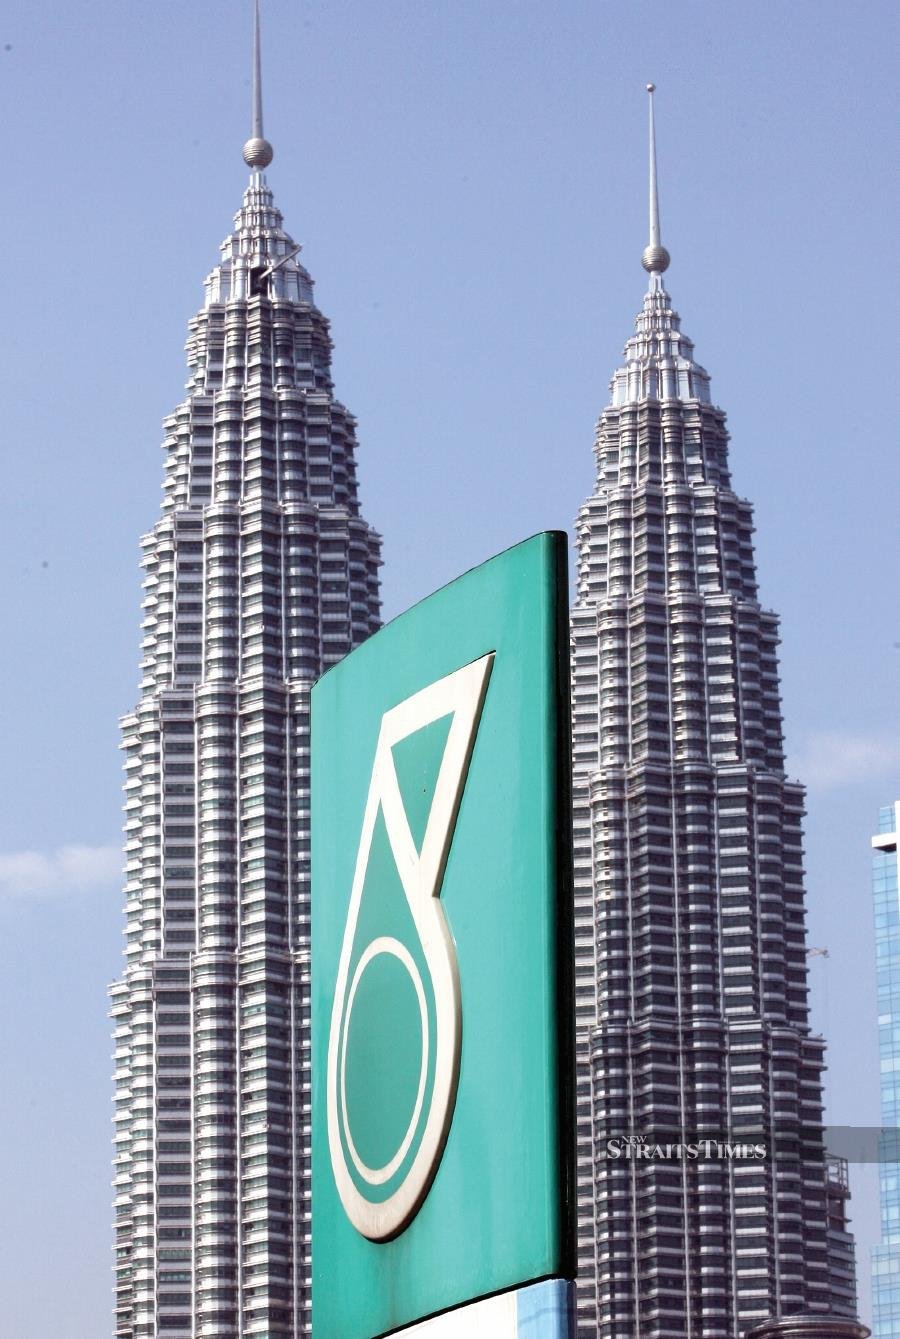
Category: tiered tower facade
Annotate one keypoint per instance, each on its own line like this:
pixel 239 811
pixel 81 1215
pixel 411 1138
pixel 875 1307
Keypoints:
pixel 691 976
pixel 259 574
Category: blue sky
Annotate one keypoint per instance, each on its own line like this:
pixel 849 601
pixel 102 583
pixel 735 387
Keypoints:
pixel 468 181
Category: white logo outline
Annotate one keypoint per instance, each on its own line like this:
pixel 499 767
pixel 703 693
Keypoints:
pixel 421 875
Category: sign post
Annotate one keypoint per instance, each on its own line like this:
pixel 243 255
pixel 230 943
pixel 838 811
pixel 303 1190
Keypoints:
pixel 442 966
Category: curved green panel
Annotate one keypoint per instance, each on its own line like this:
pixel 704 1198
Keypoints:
pixel 497 1206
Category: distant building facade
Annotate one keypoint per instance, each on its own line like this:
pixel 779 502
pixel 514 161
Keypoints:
pixel 841 1245
pixel 886 1256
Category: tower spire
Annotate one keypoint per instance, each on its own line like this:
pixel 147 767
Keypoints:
pixel 655 258
pixel 258 152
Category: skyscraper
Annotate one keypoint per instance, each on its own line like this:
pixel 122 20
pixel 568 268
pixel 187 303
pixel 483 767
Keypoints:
pixel 259 574
pixel 691 980
pixel 886 1256
pixel 841 1245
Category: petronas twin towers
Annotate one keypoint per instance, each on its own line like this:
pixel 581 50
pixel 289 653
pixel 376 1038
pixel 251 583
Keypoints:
pixel 690 954
pixel 260 573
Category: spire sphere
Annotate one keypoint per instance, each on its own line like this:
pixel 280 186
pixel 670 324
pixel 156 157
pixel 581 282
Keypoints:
pixel 258 152
pixel 655 259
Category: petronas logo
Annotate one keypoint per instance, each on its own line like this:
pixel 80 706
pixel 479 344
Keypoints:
pixel 396 1022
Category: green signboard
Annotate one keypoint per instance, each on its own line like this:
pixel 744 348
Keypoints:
pixel 441 953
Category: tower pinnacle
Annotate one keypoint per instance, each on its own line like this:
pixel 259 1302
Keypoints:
pixel 258 152
pixel 655 258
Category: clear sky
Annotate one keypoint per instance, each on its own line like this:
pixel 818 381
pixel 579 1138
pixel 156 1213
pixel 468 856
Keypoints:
pixel 469 183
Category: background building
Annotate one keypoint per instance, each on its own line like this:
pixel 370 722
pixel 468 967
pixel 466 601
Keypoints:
pixel 260 573
pixel 886 1256
pixel 691 977
pixel 841 1245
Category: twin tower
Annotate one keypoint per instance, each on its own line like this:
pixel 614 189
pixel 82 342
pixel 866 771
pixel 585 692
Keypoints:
pixel 691 996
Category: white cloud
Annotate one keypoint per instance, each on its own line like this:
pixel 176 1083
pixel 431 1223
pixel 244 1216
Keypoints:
pixel 834 758
pixel 71 869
